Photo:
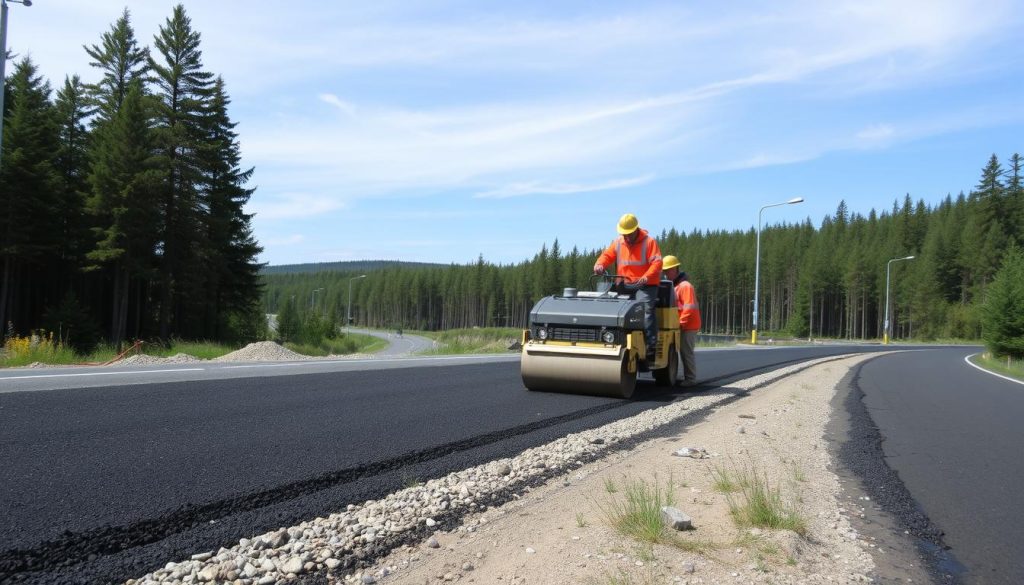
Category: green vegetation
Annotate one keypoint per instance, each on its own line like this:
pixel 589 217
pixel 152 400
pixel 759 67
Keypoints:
pixel 44 348
pixel 1006 366
pixel 823 281
pixel 637 513
pixel 342 344
pixel 723 481
pixel 761 505
pixel 1003 312
pixel 475 340
pixel 205 350
pixel 123 201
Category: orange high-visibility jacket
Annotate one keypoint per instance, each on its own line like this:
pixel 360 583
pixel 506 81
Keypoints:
pixel 689 309
pixel 643 258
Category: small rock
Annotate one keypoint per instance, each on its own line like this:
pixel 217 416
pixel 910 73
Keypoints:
pixel 209 574
pixel 267 580
pixel 530 551
pixel 597 441
pixel 293 565
pixel 467 566
pixel 688 568
pixel 432 543
pixel 368 580
pixel 741 430
pixel 504 468
pixel 747 416
pixel 202 556
pixel 332 563
pixel 431 523
pixel 675 518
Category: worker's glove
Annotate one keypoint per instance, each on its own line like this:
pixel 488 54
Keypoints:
pixel 598 269
pixel 642 281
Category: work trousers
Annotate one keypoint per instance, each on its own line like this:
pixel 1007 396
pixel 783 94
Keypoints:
pixel 649 296
pixel 689 342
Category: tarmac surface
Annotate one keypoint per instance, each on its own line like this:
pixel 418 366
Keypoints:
pixel 109 481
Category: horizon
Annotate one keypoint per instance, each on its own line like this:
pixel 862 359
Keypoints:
pixel 444 131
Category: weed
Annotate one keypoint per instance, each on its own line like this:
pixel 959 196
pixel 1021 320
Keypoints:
pixel 761 505
pixel 638 513
pixel 609 486
pixel 411 482
pixel 724 482
pixel 580 520
pixel 798 473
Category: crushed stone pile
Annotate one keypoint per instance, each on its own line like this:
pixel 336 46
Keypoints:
pixel 147 360
pixel 262 351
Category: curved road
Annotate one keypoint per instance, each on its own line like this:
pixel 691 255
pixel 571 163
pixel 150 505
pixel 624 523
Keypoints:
pixel 955 436
pixel 109 474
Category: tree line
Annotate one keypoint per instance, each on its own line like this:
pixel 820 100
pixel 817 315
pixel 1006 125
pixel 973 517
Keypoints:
pixel 825 280
pixel 121 201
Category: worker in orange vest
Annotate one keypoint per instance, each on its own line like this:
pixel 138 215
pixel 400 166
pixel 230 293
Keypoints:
pixel 638 258
pixel 689 317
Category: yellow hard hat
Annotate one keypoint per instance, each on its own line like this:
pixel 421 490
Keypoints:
pixel 669 262
pixel 628 224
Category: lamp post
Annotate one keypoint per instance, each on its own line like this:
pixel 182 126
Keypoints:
pixel 757 265
pixel 885 326
pixel 348 315
pixel 3 60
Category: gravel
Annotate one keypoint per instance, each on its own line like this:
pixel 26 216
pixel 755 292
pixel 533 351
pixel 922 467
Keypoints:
pixel 370 529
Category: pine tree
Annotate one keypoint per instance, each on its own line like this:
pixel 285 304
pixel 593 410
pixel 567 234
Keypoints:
pixel 29 200
pixel 1003 310
pixel 182 88
pixel 122 61
pixel 72 166
pixel 234 286
pixel 125 180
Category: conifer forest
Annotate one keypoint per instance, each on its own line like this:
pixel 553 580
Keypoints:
pixel 121 202
pixel 817 280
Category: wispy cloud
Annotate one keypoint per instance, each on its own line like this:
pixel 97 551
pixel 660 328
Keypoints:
pixel 295 205
pixel 545 188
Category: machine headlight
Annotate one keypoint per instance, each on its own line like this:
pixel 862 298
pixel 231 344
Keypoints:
pixel 608 337
pixel 542 333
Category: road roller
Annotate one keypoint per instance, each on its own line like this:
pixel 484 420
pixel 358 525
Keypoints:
pixel 592 342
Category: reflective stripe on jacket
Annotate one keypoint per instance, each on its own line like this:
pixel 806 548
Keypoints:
pixel 643 258
pixel 689 309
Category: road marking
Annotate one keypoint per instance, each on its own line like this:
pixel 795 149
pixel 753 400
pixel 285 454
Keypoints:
pixel 37 376
pixel 973 365
pixel 377 361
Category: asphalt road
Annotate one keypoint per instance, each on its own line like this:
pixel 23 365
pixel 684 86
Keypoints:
pixel 111 481
pixel 955 436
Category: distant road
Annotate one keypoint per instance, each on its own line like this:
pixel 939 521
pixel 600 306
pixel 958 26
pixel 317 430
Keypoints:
pixel 134 468
pixel 955 436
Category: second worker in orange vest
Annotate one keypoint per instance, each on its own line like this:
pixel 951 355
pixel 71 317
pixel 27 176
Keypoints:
pixel 689 317
pixel 638 258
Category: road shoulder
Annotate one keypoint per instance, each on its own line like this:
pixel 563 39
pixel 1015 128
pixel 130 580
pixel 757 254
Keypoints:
pixel 559 533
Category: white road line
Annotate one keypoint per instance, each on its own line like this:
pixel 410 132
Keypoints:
pixel 37 376
pixel 973 365
pixel 301 363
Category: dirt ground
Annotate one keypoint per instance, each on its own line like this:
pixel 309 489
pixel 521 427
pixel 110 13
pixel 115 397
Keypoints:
pixel 561 532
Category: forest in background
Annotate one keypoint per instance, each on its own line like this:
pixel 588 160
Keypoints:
pixel 121 202
pixel 816 281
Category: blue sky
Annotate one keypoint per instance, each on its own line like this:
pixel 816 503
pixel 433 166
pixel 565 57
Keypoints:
pixel 439 131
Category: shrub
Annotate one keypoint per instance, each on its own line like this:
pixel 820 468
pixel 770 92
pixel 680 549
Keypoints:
pixel 1002 323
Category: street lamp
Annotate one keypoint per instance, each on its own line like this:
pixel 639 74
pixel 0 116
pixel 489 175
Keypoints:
pixel 348 316
pixel 3 59
pixel 757 265
pixel 885 327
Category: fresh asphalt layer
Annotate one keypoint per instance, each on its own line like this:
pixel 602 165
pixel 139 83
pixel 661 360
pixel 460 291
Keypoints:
pixel 953 434
pixel 111 481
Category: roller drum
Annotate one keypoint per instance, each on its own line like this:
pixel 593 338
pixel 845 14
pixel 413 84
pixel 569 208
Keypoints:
pixel 597 375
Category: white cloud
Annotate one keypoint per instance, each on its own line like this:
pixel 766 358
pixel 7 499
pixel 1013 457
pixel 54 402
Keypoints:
pixel 548 188
pixel 876 133
pixel 293 205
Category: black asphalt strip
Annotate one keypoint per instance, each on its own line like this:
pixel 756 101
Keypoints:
pixel 861 457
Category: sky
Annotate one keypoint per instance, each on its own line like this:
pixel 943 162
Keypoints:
pixel 441 131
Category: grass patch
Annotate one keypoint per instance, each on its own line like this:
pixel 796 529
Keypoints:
pixel 761 505
pixel 475 340
pixel 581 521
pixel 346 343
pixel 609 486
pixel 637 513
pixel 38 347
pixel 724 481
pixel 1006 366
pixel 206 350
